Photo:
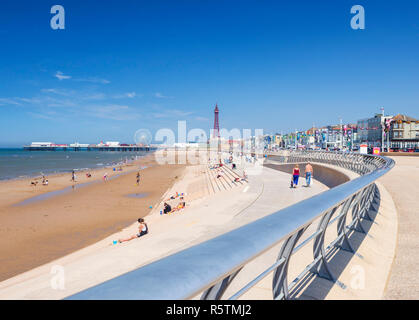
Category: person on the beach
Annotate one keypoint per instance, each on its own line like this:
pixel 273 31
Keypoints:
pixel 309 174
pixel 142 230
pixel 105 177
pixel 167 208
pixel 73 176
pixel 295 175
pixel 244 175
pixel 173 197
pixel 180 206
pixel 138 178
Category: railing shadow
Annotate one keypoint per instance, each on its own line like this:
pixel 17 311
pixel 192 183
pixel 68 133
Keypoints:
pixel 313 287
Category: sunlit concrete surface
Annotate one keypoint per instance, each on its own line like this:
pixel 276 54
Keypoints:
pixel 362 275
pixel 208 214
pixel 402 182
pixel 205 217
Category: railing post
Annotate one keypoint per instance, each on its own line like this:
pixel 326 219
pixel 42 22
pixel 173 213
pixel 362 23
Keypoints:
pixel 341 226
pixel 217 290
pixel 356 211
pixel 320 267
pixel 280 280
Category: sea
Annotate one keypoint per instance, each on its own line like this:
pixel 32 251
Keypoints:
pixel 20 163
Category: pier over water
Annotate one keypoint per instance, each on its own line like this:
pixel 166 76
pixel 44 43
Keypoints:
pixel 90 148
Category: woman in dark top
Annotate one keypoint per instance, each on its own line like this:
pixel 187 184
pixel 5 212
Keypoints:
pixel 142 230
pixel 167 208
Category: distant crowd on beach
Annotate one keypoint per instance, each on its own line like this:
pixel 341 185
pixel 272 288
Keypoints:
pixel 179 198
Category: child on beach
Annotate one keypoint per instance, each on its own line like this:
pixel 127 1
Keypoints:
pixel 138 178
pixel 142 230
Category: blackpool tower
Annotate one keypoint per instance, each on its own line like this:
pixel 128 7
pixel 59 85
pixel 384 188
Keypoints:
pixel 216 132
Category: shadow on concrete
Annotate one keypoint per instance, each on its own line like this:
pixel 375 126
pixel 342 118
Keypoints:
pixel 313 287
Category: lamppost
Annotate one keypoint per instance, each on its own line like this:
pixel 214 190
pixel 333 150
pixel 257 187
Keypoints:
pixel 383 126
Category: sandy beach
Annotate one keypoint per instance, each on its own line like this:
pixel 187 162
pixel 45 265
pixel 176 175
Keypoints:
pixel 35 232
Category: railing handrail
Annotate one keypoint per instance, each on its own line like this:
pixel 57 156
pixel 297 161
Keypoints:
pixel 187 273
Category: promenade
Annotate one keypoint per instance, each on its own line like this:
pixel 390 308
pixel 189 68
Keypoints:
pixel 204 218
pixel 402 182
pixel 216 206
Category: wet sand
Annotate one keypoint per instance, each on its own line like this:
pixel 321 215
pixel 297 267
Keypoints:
pixel 34 232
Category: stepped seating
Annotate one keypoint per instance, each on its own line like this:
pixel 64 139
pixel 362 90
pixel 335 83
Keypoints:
pixel 225 182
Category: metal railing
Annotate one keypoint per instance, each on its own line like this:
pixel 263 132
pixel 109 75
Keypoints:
pixel 209 268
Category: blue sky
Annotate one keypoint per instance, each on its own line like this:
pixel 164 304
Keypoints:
pixel 124 65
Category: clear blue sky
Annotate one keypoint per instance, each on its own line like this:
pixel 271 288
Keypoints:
pixel 124 65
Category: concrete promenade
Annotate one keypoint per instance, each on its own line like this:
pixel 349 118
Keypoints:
pixel 204 218
pixel 363 275
pixel 209 214
pixel 402 182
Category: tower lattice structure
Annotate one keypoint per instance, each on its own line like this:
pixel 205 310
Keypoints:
pixel 216 132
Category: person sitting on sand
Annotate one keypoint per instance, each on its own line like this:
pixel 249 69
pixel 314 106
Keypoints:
pixel 142 230
pixel 88 175
pixel 45 182
pixel 167 208
pixel 180 206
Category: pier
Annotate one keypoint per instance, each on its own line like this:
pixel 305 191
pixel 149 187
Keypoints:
pixel 90 148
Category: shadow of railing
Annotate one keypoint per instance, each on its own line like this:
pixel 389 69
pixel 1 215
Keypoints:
pixel 314 287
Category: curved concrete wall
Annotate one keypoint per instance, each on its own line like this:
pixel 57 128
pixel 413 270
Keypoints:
pixel 326 175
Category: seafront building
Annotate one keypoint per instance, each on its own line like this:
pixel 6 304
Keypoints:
pixel 404 132
pixel 392 133
pixel 371 130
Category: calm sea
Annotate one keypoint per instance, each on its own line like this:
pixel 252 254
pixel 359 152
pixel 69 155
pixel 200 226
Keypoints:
pixel 18 163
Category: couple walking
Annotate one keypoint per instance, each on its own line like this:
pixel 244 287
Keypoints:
pixel 296 175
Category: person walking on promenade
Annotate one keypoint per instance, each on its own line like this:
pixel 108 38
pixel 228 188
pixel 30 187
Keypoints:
pixel 295 175
pixel 309 174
